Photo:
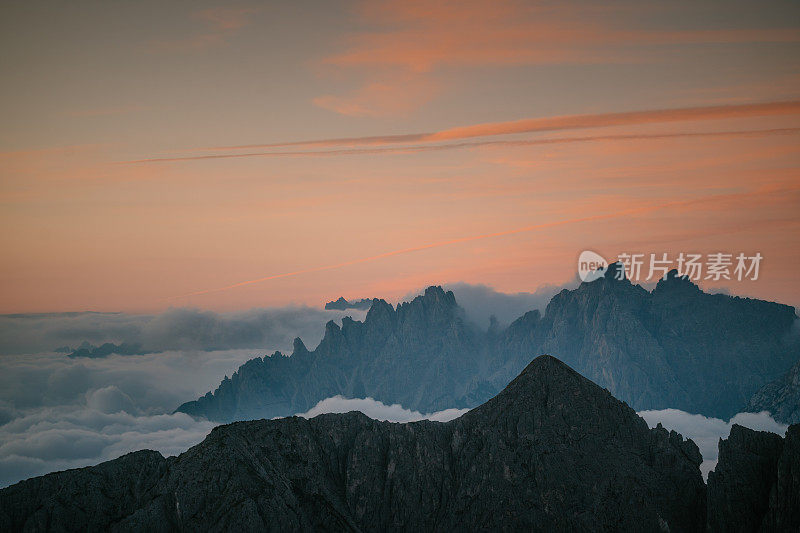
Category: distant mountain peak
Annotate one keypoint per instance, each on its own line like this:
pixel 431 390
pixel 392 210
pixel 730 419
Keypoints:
pixel 298 346
pixel 343 304
pixel 379 309
pixel 674 281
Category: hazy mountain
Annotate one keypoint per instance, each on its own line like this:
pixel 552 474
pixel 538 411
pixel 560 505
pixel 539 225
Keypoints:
pixel 342 304
pixel 423 355
pixel 756 486
pixel 674 347
pixel 780 397
pixel 89 350
pixel 553 451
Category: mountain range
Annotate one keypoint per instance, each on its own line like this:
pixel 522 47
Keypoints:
pixel 673 347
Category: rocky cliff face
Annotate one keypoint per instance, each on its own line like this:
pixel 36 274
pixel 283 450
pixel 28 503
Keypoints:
pixel 676 347
pixel 422 355
pixel 739 486
pixel 780 397
pixel 552 452
pixel 756 484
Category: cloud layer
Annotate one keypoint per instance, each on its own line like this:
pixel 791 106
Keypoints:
pixel 58 413
pixel 174 329
pixel 378 410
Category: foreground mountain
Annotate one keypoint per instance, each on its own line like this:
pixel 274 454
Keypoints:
pixel 674 347
pixel 552 452
pixel 756 484
pixel 780 397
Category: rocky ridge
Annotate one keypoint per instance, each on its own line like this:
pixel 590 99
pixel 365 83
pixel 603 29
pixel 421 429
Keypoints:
pixel 674 347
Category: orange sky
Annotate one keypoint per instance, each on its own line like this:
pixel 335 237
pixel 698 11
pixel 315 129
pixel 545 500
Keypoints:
pixel 239 155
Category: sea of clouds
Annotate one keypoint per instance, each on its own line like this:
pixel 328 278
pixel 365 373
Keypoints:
pixel 58 412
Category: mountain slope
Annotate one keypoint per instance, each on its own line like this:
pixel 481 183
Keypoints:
pixel 780 397
pixel 552 452
pixel 676 347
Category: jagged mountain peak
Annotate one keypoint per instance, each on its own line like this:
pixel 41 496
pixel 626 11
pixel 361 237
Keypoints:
pixel 380 308
pixel 298 346
pixel 547 385
pixel 434 297
pixel 673 282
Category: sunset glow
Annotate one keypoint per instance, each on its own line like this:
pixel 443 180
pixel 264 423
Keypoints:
pixel 228 157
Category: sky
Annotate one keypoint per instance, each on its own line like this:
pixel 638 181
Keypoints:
pixel 239 155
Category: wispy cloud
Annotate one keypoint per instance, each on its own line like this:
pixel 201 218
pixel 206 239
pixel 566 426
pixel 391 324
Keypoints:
pixel 477 144
pixel 545 124
pixel 395 95
pixel 105 111
pixel 221 23
pixel 683 204
pixel 410 41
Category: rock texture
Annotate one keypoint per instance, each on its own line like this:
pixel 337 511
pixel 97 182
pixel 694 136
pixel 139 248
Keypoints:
pixel 552 452
pixel 780 397
pixel 676 347
pixel 756 483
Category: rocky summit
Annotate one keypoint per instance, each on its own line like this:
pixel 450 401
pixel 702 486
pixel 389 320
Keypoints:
pixel 551 452
pixel 422 355
pixel 674 347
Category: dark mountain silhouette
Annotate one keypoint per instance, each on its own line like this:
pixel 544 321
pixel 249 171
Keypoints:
pixel 342 304
pixel 551 452
pixel 674 347
pixel 756 483
pixel 93 352
pixel 780 397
